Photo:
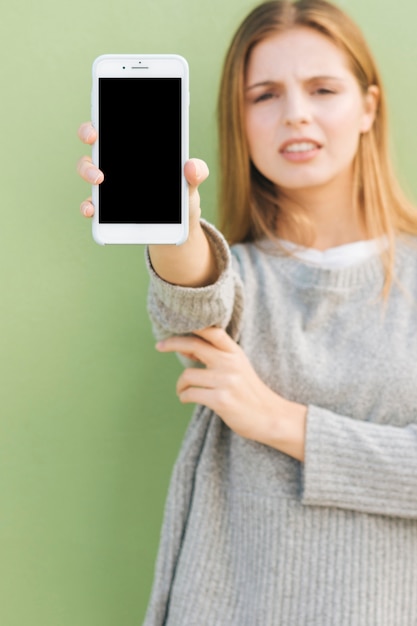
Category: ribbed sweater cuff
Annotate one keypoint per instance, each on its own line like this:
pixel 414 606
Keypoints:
pixel 360 465
pixel 180 310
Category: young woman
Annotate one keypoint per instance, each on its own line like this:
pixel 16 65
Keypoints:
pixel 294 497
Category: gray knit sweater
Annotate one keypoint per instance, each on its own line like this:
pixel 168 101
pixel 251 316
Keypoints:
pixel 252 537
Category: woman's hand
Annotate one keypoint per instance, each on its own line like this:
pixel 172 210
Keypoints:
pixel 195 171
pixel 190 264
pixel 85 167
pixel 231 388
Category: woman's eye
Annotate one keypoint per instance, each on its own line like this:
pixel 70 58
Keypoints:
pixel 323 91
pixel 265 96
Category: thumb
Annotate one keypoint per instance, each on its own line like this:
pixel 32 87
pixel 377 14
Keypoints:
pixel 196 172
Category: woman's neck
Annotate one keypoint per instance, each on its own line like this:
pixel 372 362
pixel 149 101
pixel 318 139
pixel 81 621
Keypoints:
pixel 330 211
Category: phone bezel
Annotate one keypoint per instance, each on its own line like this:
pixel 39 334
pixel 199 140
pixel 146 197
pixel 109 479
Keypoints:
pixel 136 66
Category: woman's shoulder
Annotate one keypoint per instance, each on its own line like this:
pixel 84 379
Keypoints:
pixel 406 255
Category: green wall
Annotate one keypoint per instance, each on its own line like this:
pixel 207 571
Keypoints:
pixel 90 425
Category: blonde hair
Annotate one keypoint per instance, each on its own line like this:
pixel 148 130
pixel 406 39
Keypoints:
pixel 249 207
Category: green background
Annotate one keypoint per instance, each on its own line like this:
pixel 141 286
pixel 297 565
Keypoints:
pixel 90 425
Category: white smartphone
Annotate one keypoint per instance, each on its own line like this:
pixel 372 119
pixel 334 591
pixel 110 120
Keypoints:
pixel 139 106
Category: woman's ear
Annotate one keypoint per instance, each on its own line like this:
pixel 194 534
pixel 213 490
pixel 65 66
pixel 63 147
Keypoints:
pixel 371 101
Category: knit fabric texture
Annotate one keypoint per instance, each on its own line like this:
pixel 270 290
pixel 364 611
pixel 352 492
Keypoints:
pixel 252 537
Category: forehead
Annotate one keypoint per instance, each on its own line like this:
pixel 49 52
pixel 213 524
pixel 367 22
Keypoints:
pixel 302 52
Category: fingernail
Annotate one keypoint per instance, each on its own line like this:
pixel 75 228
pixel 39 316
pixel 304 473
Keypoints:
pixel 85 209
pixel 92 175
pixel 197 173
pixel 86 134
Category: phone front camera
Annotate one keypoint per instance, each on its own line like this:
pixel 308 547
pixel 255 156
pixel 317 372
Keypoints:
pixel 124 67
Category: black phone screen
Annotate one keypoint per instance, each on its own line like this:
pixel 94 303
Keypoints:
pixel 140 150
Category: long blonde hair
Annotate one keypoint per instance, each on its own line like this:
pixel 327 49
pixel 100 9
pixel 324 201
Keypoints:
pixel 249 204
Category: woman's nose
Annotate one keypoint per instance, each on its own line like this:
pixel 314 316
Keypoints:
pixel 297 110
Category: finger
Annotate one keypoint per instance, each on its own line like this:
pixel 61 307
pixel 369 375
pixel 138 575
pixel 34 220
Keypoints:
pixel 87 208
pixel 87 133
pixel 196 171
pixel 218 338
pixel 88 171
pixel 196 377
pixel 190 346
pixel 206 386
pixel 198 395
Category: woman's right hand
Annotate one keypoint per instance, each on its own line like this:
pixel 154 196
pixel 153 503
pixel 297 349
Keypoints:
pixel 195 171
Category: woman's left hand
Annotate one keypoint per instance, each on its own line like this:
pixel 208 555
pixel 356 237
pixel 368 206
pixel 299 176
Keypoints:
pixel 232 389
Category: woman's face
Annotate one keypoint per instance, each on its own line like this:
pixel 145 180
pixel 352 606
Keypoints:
pixel 304 110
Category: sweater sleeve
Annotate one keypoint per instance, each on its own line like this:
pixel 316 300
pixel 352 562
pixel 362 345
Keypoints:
pixel 362 466
pixel 176 310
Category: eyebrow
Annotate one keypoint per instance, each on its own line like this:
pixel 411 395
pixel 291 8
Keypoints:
pixel 312 79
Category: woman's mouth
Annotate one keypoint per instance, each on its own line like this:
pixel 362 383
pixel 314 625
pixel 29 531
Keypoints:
pixel 302 150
